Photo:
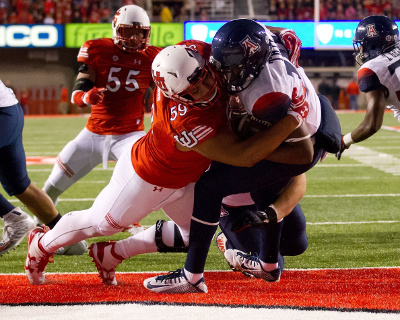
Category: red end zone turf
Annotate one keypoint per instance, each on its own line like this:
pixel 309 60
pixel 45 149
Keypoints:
pixel 355 289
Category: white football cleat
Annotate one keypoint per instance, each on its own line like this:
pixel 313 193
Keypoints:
pixel 249 264
pixel 17 224
pixel 174 282
pixel 106 261
pixel 36 259
pixel 76 249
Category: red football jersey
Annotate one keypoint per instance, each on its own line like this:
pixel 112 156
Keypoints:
pixel 126 76
pixel 156 158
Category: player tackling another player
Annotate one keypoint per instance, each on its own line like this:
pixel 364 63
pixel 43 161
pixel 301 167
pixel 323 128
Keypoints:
pixel 160 170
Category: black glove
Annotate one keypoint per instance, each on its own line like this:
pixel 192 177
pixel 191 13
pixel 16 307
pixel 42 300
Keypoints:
pixel 342 148
pixel 254 219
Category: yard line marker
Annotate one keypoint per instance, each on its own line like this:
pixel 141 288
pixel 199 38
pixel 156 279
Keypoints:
pixel 378 160
pixel 352 222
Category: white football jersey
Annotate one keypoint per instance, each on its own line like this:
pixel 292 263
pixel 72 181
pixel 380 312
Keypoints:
pixel 383 70
pixel 7 96
pixel 280 76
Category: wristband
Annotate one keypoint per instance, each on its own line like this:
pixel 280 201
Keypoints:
pixel 77 98
pixel 347 140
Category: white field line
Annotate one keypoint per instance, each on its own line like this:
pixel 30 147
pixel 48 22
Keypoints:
pixel 111 311
pixel 221 271
pixel 378 160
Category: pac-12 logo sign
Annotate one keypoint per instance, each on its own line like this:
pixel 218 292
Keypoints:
pixel 249 46
pixel 371 31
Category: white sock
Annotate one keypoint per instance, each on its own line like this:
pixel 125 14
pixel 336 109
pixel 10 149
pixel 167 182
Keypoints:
pixel 142 242
pixel 193 277
pixel 269 266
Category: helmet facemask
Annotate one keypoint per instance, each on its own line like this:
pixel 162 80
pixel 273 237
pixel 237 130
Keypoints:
pixel 190 95
pixel 183 75
pixel 126 39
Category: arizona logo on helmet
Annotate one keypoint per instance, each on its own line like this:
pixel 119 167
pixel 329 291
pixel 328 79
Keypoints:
pixel 371 31
pixel 249 46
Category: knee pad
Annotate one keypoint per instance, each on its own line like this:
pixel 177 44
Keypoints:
pixel 179 244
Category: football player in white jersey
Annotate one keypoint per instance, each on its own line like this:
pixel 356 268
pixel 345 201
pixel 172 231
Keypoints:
pixel 377 48
pixel 15 180
pixel 251 65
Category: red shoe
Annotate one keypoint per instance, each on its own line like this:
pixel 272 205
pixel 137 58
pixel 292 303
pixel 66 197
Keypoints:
pixel 106 261
pixel 36 259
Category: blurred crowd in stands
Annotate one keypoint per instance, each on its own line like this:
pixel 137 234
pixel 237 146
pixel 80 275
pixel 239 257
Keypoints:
pixel 95 11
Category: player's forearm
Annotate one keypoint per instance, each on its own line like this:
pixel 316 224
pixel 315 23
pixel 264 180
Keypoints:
pixel 228 148
pixel 372 121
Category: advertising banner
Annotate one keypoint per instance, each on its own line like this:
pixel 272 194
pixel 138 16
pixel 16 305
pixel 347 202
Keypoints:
pixel 162 34
pixel 329 35
pixel 31 36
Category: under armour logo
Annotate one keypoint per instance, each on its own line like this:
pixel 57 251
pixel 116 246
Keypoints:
pixel 157 189
pixel 249 46
pixel 371 31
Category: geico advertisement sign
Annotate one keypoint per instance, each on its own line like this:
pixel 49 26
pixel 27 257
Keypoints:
pixel 38 36
pixel 162 34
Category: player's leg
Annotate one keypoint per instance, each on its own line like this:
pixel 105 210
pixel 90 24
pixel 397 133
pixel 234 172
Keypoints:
pixel 164 236
pixel 75 160
pixel 294 240
pixel 119 203
pixel 17 224
pixel 120 142
pixel 213 186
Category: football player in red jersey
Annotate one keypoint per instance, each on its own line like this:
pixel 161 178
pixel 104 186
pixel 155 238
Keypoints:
pixel 376 44
pixel 189 130
pixel 113 77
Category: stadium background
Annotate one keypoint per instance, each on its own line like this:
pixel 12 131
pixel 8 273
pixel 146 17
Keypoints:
pixel 358 227
pixel 37 67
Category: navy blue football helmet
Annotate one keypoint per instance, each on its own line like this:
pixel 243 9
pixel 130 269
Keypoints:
pixel 374 35
pixel 239 51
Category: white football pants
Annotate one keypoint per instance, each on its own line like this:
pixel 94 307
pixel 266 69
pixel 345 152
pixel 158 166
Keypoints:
pixel 83 154
pixel 124 201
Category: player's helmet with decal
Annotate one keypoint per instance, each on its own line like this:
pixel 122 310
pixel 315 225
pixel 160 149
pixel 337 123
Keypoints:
pixel 180 72
pixel 127 22
pixel 239 51
pixel 374 35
